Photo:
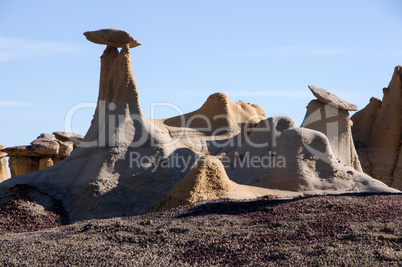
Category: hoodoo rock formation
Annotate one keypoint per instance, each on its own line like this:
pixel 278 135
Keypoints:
pixel 45 151
pixel 330 115
pixel 128 163
pixel 377 132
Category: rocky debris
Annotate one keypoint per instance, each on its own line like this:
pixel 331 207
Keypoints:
pixel 45 151
pixel 3 165
pixel 333 120
pixel 26 209
pixel 377 133
pixel 327 97
pixel 112 37
pixel 125 167
pixel 360 230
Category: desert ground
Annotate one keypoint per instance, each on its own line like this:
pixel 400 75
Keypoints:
pixel 345 230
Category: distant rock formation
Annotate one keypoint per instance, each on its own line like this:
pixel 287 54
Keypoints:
pixel 128 163
pixel 3 165
pixel 377 132
pixel 45 151
pixel 329 115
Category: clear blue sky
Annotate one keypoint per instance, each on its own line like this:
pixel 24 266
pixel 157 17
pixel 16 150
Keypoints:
pixel 263 52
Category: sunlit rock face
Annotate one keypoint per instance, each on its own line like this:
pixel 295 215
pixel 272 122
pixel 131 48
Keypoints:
pixel 377 131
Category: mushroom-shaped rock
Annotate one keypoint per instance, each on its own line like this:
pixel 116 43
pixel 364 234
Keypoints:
pixel 329 98
pixel 336 125
pixel 111 37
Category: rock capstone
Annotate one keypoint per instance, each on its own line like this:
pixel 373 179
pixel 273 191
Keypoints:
pixel 327 97
pixel 112 37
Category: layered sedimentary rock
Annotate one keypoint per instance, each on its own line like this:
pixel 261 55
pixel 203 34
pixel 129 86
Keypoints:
pixel 127 163
pixel 3 165
pixel 45 151
pixel 330 116
pixel 377 132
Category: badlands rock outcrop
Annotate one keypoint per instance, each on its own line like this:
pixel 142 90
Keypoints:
pixel 3 165
pixel 128 163
pixel 377 133
pixel 43 152
pixel 330 115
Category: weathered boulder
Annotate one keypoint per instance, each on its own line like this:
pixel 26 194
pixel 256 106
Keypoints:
pixel 69 137
pixel 65 149
pixel 377 134
pixel 331 117
pixel 45 147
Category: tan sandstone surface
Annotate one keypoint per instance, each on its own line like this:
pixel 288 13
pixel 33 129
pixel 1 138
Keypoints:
pixel 3 165
pixel 377 132
pixel 126 162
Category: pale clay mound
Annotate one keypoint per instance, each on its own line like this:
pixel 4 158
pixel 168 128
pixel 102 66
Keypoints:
pixel 127 162
pixel 377 133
